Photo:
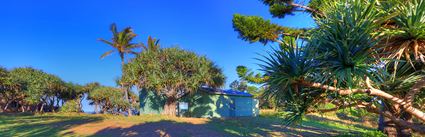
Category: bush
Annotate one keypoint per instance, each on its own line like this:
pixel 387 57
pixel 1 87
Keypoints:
pixel 71 106
pixel 375 133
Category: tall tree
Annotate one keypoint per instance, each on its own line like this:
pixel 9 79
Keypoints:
pixel 34 90
pixel 238 85
pixel 122 43
pixel 173 73
pixel 108 99
pixel 345 60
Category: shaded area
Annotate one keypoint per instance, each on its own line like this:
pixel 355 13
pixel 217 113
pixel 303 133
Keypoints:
pixel 274 127
pixel 151 103
pixel 39 125
pixel 207 105
pixel 164 128
pixel 355 124
pixel 245 126
pixel 203 103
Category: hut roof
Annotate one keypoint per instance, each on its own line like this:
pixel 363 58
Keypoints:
pixel 229 92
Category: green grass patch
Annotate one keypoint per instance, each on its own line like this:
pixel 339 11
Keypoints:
pixel 268 124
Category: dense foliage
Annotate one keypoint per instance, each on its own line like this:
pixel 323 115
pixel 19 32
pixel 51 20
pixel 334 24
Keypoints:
pixel 366 54
pixel 29 89
pixel 173 73
pixel 110 100
pixel 122 42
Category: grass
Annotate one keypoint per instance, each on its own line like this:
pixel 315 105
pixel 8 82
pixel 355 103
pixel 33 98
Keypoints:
pixel 268 124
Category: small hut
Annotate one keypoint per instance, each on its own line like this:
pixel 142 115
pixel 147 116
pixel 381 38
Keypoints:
pixel 207 102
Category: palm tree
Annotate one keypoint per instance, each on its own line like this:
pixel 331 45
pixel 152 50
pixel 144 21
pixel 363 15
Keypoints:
pixel 338 64
pixel 153 44
pixel 405 32
pixel 122 43
pixel 173 73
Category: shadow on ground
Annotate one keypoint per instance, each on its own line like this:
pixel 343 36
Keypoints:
pixel 353 123
pixel 222 128
pixel 163 128
pixel 79 125
pixel 30 125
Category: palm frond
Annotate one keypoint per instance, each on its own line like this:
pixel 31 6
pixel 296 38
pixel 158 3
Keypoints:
pixel 405 38
pixel 343 44
pixel 106 42
pixel 285 68
pixel 106 54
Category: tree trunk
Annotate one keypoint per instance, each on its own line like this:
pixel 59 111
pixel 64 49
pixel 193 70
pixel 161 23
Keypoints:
pixel 170 106
pixel 404 131
pixel 372 92
pixel 6 106
pixel 57 103
pixel 95 107
pixel 386 125
pixel 123 86
pixel 392 128
pixel 42 107
pixel 389 128
pixel 80 107
pixel 126 99
pixel 52 105
pixel 23 108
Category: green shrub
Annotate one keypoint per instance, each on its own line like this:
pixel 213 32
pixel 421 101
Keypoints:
pixel 71 106
pixel 375 133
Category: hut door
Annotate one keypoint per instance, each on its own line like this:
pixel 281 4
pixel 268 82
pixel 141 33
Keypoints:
pixel 232 108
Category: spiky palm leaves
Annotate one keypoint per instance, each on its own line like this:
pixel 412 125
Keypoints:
pixel 405 34
pixel 285 68
pixel 339 53
pixel 343 43
pixel 172 69
pixel 152 45
pixel 121 42
pixel 3 79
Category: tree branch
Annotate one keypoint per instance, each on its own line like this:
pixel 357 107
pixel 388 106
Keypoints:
pixel 306 8
pixel 331 88
pixel 419 128
pixel 405 105
pixel 338 106
pixel 372 92
pixel 410 96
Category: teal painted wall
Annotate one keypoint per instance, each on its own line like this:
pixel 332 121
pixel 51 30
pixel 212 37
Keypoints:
pixel 255 107
pixel 202 104
pixel 209 105
pixel 243 106
pixel 150 103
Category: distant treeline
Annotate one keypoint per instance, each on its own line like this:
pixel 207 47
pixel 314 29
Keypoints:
pixel 31 90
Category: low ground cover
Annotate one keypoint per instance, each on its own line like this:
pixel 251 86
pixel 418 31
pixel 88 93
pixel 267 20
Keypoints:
pixel 268 124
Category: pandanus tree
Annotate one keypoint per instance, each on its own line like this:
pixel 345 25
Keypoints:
pixel 28 89
pixel 33 90
pixel 9 89
pixel 108 100
pixel 122 43
pixel 363 53
pixel 37 89
pixel 172 73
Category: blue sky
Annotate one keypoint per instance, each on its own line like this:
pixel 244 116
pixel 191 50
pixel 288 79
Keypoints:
pixel 60 37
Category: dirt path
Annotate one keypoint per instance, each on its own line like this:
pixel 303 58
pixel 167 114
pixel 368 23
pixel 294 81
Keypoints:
pixel 165 128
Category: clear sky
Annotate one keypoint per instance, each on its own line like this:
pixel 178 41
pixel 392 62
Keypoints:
pixel 60 36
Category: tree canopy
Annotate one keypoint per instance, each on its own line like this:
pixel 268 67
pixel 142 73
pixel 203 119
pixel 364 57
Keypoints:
pixel 110 100
pixel 172 72
pixel 29 89
pixel 365 54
